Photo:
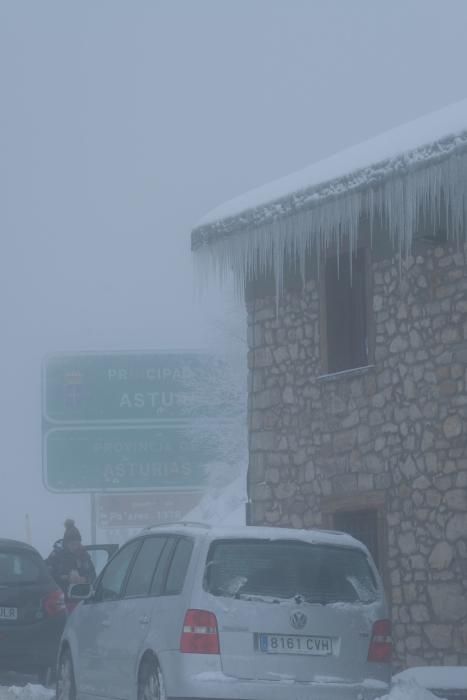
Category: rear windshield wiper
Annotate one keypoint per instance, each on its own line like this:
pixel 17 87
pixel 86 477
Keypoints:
pixel 255 597
pixel 300 598
pixel 316 600
pixel 297 598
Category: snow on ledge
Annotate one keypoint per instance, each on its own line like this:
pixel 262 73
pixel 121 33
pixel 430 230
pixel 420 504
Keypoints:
pixel 393 176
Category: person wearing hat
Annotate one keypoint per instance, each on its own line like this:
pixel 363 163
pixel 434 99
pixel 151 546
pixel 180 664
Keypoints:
pixel 69 561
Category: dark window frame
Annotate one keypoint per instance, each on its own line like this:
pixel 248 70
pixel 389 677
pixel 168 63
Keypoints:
pixel 169 568
pixel 134 596
pixel 96 599
pixel 166 561
pixel 374 500
pixel 26 555
pixel 359 357
pixel 360 523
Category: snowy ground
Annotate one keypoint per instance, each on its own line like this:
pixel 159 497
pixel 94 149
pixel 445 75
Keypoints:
pixel 408 690
pixel 454 678
pixel 402 690
pixel 27 692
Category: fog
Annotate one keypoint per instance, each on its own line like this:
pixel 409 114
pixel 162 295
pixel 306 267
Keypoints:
pixel 123 122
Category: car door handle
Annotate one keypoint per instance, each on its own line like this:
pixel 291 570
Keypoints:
pixel 105 623
pixel 144 620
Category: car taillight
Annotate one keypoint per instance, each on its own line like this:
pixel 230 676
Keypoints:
pixel 199 634
pixel 54 604
pixel 380 649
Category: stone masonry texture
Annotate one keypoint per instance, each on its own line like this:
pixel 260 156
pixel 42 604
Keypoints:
pixel 397 428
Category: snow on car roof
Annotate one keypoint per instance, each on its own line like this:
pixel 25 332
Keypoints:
pixel 392 178
pixel 282 533
pixel 258 532
pixel 15 544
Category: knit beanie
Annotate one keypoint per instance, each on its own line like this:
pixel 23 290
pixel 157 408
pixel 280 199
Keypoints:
pixel 71 532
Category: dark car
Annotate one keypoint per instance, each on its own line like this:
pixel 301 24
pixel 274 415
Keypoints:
pixel 32 611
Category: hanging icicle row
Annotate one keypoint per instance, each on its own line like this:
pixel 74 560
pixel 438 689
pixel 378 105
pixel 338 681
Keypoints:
pixel 251 244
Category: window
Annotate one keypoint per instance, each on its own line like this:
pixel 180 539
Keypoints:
pixel 346 312
pixel 157 586
pixel 18 568
pixel 363 525
pixel 111 583
pixel 100 555
pixel 139 581
pixel 179 566
pixel 287 568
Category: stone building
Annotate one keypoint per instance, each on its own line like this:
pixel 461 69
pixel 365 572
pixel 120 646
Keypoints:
pixel 355 280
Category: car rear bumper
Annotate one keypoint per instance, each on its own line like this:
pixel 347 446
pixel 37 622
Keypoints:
pixel 29 648
pixel 196 677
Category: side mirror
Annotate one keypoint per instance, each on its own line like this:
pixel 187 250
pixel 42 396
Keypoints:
pixel 80 591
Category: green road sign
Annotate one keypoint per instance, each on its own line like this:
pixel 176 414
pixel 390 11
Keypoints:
pixel 136 421
pixel 126 458
pixel 129 387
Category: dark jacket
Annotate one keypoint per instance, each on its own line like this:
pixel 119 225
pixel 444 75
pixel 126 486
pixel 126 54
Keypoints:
pixel 61 562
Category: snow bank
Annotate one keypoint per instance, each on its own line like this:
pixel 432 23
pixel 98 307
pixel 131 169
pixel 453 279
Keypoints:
pixel 408 690
pixel 442 677
pixel 223 505
pixel 28 692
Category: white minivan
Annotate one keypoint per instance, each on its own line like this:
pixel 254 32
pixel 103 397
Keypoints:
pixel 189 612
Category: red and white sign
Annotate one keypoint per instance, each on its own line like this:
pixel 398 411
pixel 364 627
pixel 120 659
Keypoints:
pixel 144 509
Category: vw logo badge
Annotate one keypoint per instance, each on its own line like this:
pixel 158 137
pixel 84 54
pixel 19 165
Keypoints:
pixel 298 620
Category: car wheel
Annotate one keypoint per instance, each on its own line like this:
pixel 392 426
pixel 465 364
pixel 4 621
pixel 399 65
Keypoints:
pixel 151 683
pixel 66 688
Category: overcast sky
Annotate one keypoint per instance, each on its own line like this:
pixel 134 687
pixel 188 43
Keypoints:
pixel 123 121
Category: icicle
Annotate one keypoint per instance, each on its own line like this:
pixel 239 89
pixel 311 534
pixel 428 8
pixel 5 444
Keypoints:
pixel 397 193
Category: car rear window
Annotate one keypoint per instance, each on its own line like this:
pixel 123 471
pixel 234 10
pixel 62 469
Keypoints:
pixel 21 567
pixel 286 569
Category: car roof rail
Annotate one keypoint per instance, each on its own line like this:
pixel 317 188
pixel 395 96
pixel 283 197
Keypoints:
pixel 184 523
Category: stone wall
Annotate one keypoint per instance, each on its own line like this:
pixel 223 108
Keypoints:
pixel 396 431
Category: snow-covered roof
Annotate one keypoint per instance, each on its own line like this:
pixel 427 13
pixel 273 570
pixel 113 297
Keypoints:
pixel 416 143
pixel 392 175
